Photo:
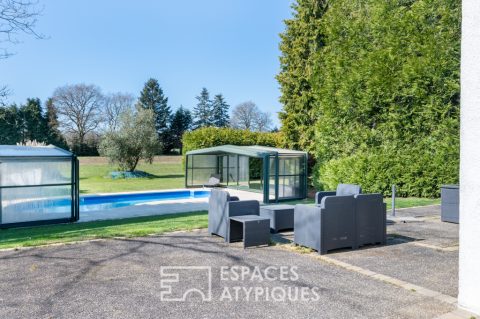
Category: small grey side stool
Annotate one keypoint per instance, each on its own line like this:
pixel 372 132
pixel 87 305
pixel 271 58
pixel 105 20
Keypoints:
pixel 253 229
pixel 281 216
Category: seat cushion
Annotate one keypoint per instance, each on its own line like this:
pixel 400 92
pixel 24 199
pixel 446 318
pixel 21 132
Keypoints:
pixel 348 189
pixel 213 181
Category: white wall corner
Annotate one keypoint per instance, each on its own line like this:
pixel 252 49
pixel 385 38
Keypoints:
pixel 469 259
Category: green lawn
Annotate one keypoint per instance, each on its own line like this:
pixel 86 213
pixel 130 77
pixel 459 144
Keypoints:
pixel 411 202
pixel 167 173
pixel 129 227
pixel 399 202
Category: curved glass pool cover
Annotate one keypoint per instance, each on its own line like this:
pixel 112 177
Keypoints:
pixel 279 174
pixel 33 181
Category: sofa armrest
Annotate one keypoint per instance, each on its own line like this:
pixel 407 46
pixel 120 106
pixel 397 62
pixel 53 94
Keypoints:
pixel 306 217
pixel 320 195
pixel 305 211
pixel 234 199
pixel 307 225
pixel 243 207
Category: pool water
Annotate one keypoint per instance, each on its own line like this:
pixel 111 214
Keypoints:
pixel 101 202
pixel 60 206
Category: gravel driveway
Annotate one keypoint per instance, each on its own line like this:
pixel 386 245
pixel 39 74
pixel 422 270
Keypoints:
pixel 122 279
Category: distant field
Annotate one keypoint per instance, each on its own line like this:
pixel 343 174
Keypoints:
pixel 166 170
pixel 103 160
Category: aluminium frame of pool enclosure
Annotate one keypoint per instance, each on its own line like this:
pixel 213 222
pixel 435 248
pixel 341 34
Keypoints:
pixel 38 185
pixel 279 174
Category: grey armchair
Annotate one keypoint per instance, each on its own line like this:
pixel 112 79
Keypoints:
pixel 371 219
pixel 330 225
pixel 342 190
pixel 221 206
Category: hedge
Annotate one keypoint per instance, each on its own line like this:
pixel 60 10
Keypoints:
pixel 388 95
pixel 416 171
pixel 213 136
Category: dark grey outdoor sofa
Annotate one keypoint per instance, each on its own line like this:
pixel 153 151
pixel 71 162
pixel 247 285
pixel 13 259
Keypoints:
pixel 342 190
pixel 341 219
pixel 222 206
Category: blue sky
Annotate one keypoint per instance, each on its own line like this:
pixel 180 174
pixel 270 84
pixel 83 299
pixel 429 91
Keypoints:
pixel 227 46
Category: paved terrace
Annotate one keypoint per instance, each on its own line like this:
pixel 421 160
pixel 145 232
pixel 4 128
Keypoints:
pixel 414 276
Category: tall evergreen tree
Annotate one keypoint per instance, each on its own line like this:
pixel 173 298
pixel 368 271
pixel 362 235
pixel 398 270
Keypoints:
pixel 34 125
pixel 387 87
pixel 202 112
pixel 181 122
pixel 220 117
pixel 153 98
pixel 29 123
pixel 54 136
pixel 300 41
pixel 10 125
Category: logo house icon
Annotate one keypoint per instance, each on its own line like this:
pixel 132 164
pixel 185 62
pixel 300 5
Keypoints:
pixel 178 283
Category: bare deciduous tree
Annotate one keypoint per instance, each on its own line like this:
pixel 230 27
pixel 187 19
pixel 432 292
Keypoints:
pixel 247 116
pixel 243 115
pixel 264 122
pixel 16 17
pixel 79 108
pixel 115 105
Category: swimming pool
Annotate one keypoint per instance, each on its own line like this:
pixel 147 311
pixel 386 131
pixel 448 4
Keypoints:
pixel 102 202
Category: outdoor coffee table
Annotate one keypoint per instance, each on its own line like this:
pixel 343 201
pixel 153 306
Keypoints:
pixel 253 229
pixel 281 216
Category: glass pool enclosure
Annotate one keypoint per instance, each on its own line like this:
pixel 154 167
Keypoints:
pixel 279 174
pixel 38 185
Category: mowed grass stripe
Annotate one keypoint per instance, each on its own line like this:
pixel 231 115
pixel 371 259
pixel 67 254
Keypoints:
pixel 129 227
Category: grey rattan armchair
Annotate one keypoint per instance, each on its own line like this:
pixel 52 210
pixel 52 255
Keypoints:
pixel 221 207
pixel 330 225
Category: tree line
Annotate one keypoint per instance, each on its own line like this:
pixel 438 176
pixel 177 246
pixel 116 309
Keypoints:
pixel 79 116
pixel 28 122
pixel 371 90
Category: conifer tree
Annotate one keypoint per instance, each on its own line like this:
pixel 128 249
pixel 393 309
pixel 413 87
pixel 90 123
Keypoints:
pixel 181 122
pixel 220 117
pixel 10 125
pixel 54 136
pixel 300 41
pixel 153 98
pixel 202 112
pixel 34 125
